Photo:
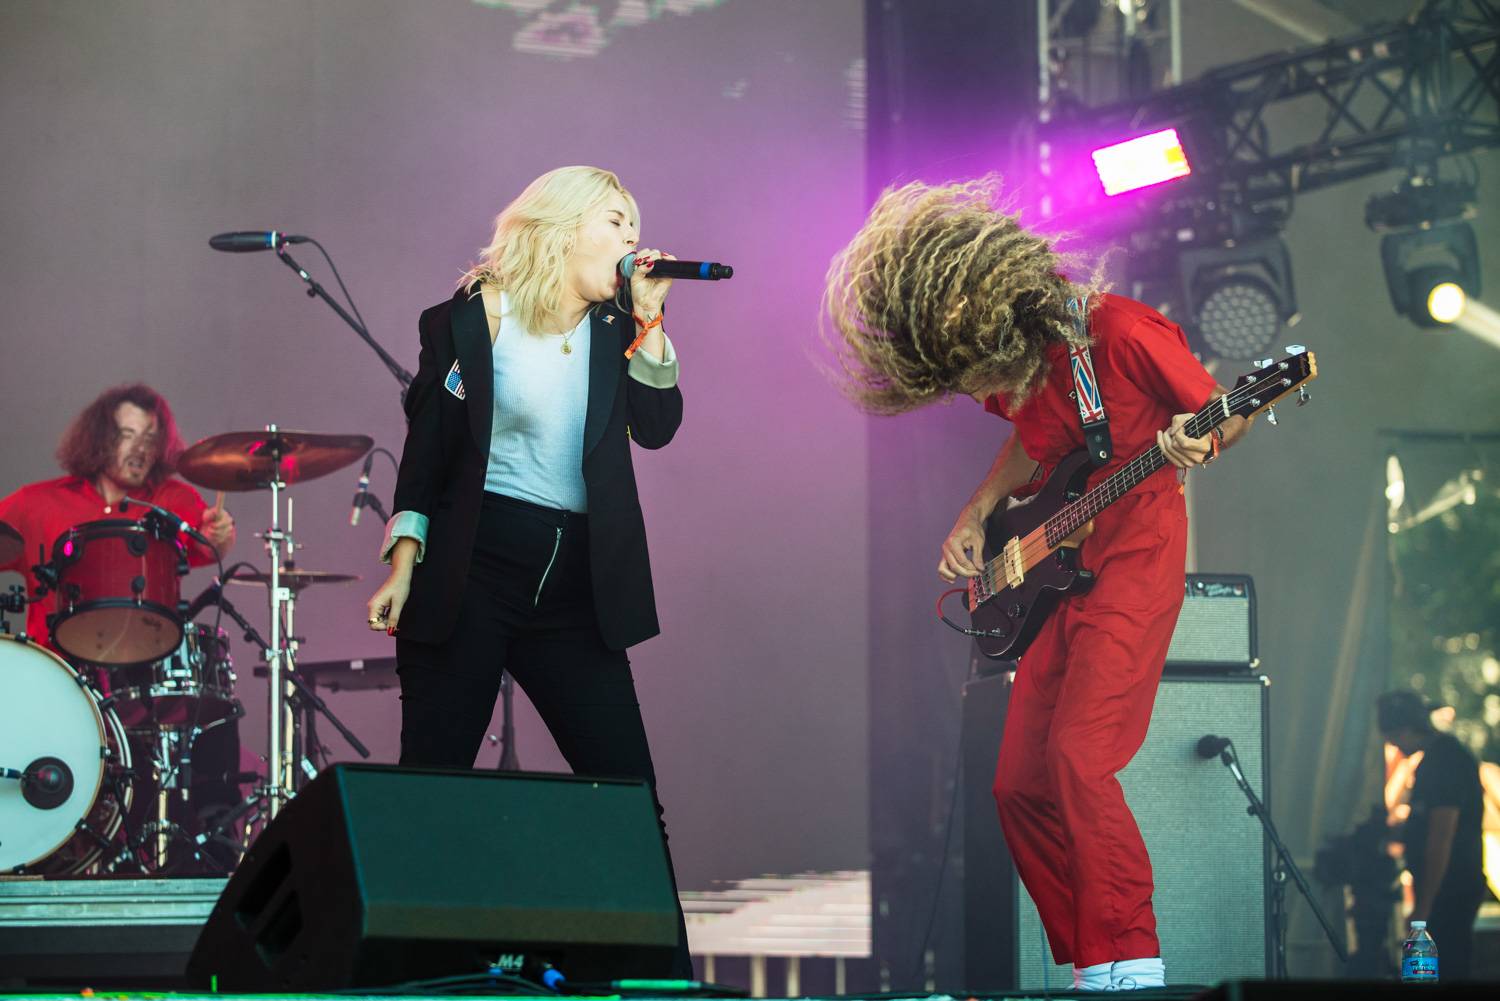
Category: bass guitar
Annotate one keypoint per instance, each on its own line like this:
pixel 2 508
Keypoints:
pixel 1030 557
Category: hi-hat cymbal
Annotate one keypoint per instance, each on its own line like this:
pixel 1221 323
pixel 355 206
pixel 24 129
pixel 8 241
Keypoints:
pixel 11 543
pixel 250 460
pixel 294 578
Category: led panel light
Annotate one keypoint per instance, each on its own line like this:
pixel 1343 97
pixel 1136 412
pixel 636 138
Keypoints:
pixel 1141 162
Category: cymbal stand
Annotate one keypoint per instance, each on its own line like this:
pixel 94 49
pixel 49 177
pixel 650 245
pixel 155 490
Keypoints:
pixel 309 700
pixel 246 810
pixel 280 651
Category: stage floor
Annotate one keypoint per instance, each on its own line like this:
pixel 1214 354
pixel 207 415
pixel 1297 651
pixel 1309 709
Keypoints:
pixel 123 938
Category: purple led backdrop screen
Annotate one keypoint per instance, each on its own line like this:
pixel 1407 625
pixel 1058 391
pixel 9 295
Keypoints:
pixel 393 132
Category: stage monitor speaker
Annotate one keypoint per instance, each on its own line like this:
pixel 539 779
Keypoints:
pixel 1209 857
pixel 1216 628
pixel 377 875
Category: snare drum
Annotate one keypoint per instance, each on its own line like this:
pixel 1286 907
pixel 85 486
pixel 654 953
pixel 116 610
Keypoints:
pixel 117 592
pixel 46 712
pixel 192 687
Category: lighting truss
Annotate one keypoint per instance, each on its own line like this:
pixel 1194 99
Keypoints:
pixel 1390 97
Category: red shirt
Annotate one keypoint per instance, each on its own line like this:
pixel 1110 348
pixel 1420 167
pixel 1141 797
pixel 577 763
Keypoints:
pixel 43 511
pixel 1146 374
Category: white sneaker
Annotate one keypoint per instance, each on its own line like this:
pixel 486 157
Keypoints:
pixel 1137 974
pixel 1092 978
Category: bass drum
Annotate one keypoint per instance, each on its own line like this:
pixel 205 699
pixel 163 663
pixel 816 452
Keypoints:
pixel 48 715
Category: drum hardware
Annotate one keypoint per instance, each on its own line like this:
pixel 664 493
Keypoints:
pixel 273 459
pixel 12 602
pixel 303 698
pixel 11 543
pixel 118 584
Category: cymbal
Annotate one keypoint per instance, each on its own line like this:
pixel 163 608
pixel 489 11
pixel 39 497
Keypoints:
pixel 11 543
pixel 249 460
pixel 294 578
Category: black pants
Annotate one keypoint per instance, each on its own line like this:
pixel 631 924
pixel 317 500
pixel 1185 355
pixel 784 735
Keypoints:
pixel 528 609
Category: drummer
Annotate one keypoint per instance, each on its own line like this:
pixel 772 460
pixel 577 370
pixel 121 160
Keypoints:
pixel 124 443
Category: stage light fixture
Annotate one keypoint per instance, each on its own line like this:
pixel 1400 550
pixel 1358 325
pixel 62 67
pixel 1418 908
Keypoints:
pixel 1141 162
pixel 1431 273
pixel 1239 297
pixel 1428 250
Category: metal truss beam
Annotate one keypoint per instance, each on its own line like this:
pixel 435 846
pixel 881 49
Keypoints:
pixel 1398 96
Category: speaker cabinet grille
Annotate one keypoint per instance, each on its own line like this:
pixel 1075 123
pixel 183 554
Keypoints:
pixel 1216 628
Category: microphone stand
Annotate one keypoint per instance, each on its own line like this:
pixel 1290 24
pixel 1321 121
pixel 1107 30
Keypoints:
pixel 314 290
pixel 372 502
pixel 510 761
pixel 1284 864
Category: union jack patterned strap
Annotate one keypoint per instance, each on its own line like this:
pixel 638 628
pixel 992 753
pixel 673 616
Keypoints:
pixel 1092 419
pixel 1090 403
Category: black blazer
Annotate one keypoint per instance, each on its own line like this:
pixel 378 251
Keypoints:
pixel 447 451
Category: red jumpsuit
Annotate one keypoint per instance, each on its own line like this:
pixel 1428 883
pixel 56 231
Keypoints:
pixel 43 511
pixel 1084 689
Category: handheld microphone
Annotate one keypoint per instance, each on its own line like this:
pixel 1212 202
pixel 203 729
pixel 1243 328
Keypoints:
pixel 362 489
pixel 1210 746
pixel 708 271
pixel 244 241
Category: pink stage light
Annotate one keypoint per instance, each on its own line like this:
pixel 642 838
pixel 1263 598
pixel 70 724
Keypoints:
pixel 1141 162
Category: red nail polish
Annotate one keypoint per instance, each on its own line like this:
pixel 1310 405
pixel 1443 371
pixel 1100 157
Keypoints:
pixel 390 630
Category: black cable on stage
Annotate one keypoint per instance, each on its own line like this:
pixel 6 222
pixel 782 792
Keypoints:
pixel 395 462
pixel 460 984
pixel 937 888
pixel 339 278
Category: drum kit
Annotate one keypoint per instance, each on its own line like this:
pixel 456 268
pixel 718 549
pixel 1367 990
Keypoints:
pixel 97 744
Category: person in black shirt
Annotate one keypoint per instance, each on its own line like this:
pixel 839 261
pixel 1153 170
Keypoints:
pixel 1444 843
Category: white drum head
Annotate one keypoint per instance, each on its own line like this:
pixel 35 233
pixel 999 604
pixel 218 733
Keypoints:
pixel 44 712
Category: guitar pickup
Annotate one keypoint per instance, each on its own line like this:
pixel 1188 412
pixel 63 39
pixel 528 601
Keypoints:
pixel 1013 562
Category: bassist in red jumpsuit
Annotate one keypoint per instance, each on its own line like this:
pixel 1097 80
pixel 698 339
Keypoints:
pixel 940 294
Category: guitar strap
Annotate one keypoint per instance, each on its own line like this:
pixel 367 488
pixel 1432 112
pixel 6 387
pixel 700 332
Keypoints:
pixel 1091 416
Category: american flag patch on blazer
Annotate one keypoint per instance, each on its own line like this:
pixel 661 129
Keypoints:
pixel 455 382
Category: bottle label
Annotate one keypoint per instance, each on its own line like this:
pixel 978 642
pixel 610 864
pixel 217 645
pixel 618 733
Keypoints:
pixel 1419 968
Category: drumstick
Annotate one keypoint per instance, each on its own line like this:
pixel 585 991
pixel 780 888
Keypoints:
pixel 219 502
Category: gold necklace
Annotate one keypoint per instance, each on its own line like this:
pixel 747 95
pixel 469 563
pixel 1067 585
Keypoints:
pixel 567 348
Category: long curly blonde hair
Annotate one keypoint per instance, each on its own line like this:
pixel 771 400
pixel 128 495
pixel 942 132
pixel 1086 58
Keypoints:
pixel 534 235
pixel 943 292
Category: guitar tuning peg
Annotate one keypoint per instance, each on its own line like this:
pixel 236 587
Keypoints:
pixel 1263 362
pixel 1296 349
pixel 1303 396
pixel 1271 416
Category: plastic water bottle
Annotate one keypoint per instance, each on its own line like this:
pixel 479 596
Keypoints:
pixel 1419 956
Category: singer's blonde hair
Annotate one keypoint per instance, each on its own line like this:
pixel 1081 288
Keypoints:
pixel 941 292
pixel 534 235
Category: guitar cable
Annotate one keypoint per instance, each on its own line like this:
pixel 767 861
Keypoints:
pixel 985 633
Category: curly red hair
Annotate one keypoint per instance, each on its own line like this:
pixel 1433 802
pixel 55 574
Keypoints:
pixel 88 445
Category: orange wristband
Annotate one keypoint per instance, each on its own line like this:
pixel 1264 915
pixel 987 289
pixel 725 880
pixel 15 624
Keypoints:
pixel 643 328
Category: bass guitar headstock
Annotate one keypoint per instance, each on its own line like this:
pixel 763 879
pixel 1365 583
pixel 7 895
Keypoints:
pixel 1273 379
